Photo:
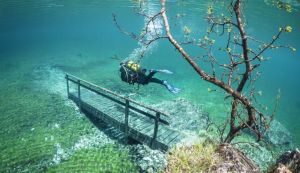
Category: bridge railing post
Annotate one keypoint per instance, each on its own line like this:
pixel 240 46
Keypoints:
pixel 157 117
pixel 68 87
pixel 126 118
pixel 79 94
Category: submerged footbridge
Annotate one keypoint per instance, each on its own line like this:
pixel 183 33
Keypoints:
pixel 136 120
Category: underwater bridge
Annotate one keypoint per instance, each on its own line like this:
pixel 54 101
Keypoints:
pixel 140 122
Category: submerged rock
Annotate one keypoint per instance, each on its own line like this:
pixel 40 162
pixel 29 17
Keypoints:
pixel 288 162
pixel 276 135
pixel 233 161
pixel 279 135
pixel 281 169
pixel 261 155
pixel 148 160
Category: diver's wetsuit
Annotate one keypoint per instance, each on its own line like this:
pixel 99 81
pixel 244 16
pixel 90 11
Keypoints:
pixel 140 77
pixel 145 79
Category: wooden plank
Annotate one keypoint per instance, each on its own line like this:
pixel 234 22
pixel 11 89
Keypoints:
pixel 120 108
pixel 107 109
pixel 149 115
pixel 163 131
pixel 148 130
pixel 136 116
pixel 120 116
pixel 144 126
pixel 139 124
pixel 175 139
pixel 134 119
pixel 164 135
pixel 168 138
pixel 135 134
pixel 104 95
pixel 99 102
pixel 106 118
pixel 100 105
pixel 116 116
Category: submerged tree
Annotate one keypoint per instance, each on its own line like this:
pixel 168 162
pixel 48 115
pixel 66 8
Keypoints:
pixel 236 75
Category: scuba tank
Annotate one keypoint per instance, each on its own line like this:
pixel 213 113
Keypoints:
pixel 133 66
pixel 129 71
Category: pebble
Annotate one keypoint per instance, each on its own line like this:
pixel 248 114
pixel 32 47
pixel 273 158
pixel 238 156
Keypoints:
pixel 148 160
pixel 56 125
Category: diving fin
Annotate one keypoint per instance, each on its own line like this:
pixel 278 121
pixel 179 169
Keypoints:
pixel 171 88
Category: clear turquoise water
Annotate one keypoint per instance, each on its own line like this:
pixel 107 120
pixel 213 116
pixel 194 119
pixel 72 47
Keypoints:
pixel 42 40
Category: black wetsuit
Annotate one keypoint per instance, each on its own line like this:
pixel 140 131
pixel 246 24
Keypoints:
pixel 144 79
pixel 140 77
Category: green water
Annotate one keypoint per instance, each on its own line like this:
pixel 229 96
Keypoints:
pixel 40 41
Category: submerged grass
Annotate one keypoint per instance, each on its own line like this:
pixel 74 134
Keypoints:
pixel 196 158
pixel 29 137
pixel 33 122
pixel 37 125
pixel 105 159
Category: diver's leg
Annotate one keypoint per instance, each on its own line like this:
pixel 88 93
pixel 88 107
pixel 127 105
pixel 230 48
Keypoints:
pixel 153 72
pixel 166 84
pixel 150 75
pixel 170 87
pixel 155 80
pixel 143 79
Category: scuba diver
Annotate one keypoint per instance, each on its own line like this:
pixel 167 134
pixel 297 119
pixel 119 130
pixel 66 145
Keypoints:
pixel 132 73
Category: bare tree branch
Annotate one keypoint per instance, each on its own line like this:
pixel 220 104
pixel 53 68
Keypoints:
pixel 237 73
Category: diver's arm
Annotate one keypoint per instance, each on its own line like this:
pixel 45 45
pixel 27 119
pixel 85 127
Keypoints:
pixel 162 71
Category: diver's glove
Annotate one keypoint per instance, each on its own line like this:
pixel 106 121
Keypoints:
pixel 171 88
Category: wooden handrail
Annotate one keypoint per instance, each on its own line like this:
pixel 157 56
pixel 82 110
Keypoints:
pixel 81 82
pixel 121 100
